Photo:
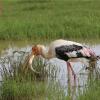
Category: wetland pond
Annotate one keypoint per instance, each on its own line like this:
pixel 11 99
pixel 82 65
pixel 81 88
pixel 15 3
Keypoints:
pixel 70 87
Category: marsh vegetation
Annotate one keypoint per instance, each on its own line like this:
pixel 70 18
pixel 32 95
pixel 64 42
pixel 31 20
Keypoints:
pixel 40 21
pixel 20 83
pixel 49 19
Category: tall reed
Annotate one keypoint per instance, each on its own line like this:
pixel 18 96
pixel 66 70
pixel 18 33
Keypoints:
pixel 19 85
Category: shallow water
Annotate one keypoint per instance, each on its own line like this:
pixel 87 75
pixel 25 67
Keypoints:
pixel 71 87
pixel 82 75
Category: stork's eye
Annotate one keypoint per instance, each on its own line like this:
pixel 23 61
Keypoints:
pixel 34 49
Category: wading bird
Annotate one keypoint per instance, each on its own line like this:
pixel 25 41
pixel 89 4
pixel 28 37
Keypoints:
pixel 68 51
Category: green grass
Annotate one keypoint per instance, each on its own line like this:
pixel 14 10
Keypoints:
pixel 19 84
pixel 49 19
pixel 92 92
pixel 16 90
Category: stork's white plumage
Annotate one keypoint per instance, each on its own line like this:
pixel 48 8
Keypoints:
pixel 63 49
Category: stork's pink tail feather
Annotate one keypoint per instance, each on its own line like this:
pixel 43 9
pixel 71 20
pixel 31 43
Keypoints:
pixel 87 52
pixel 91 54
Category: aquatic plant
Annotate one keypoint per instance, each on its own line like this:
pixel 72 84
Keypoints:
pixel 20 85
pixel 92 92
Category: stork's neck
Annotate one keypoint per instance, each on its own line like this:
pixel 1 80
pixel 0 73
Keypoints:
pixel 45 52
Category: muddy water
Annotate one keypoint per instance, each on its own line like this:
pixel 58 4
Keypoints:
pixel 70 86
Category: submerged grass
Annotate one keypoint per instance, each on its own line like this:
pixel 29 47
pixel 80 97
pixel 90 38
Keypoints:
pixel 20 85
pixel 49 19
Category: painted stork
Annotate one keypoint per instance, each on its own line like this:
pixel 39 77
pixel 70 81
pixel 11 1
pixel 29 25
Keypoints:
pixel 68 51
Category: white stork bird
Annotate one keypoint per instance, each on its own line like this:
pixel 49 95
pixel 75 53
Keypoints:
pixel 68 51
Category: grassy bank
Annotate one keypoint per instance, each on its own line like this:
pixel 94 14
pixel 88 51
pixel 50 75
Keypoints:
pixel 49 19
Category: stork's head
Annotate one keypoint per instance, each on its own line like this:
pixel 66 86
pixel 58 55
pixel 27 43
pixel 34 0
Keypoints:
pixel 36 50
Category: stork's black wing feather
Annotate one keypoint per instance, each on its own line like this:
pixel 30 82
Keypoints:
pixel 68 51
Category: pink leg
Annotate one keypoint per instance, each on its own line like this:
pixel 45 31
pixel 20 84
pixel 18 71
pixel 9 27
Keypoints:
pixel 71 82
pixel 68 70
pixel 73 73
